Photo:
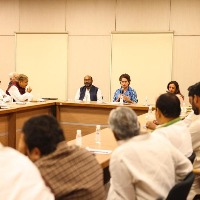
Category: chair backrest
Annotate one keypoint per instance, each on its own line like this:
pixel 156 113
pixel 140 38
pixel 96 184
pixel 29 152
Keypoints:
pixel 180 191
pixel 192 157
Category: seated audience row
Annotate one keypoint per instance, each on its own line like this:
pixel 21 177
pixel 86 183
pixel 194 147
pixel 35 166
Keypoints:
pixel 18 83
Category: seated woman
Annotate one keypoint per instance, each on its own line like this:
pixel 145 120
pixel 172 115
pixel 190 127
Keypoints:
pixel 18 89
pixel 127 93
pixel 173 87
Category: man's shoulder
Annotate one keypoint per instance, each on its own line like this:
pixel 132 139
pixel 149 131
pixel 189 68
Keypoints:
pixel 16 158
pixel 65 153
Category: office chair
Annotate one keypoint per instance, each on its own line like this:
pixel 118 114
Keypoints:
pixel 192 157
pixel 180 191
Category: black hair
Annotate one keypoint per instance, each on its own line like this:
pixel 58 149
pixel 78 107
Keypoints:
pixel 43 132
pixel 194 90
pixel 125 76
pixel 169 105
pixel 177 91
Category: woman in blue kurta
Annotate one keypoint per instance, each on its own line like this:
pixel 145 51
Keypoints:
pixel 128 94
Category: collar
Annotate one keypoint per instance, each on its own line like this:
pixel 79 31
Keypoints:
pixel 170 122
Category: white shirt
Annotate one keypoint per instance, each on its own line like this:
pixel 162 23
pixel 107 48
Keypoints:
pixel 194 129
pixel 146 167
pixel 3 96
pixel 87 95
pixel 14 92
pixel 178 134
pixel 20 178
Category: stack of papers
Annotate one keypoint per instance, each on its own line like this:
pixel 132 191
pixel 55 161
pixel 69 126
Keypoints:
pixel 98 151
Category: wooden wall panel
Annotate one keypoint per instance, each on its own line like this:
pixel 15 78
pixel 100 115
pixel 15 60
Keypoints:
pixel 185 17
pixel 90 17
pixel 143 15
pixel 9 17
pixel 42 16
pixel 186 62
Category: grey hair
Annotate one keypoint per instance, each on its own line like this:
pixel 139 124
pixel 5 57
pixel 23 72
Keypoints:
pixel 124 123
pixel 12 74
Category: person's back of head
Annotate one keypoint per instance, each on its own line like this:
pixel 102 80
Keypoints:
pixel 42 132
pixel 124 123
pixel 169 105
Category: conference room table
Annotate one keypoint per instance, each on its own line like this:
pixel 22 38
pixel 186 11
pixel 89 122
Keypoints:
pixel 86 115
pixel 72 116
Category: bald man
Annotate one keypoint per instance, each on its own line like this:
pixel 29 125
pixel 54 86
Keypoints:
pixel 88 92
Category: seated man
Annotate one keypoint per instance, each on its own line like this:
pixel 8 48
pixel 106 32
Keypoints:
pixel 171 126
pixel 20 178
pixel 194 129
pixel 143 166
pixel 128 94
pixel 71 172
pixel 88 92
pixel 18 89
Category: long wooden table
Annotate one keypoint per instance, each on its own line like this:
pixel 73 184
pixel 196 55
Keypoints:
pixel 12 119
pixel 86 116
pixel 71 115
pixel 108 142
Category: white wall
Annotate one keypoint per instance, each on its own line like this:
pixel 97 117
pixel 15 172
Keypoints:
pixel 90 23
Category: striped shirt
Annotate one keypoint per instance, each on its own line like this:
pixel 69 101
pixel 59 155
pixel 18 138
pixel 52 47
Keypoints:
pixel 72 173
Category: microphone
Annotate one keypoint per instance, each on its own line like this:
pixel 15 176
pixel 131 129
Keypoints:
pixel 122 90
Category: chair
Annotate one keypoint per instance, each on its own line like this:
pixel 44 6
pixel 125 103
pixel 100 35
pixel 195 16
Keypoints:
pixel 192 157
pixel 180 191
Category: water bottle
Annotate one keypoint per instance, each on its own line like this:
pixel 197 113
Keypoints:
pixel 183 109
pixel 150 116
pixel 121 100
pixel 78 138
pixel 146 101
pixel 98 134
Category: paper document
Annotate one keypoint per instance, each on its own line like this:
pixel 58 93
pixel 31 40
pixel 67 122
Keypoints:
pixel 98 151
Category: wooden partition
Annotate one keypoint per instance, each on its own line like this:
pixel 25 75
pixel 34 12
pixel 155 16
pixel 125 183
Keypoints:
pixel 12 119
pixel 71 115
pixel 85 116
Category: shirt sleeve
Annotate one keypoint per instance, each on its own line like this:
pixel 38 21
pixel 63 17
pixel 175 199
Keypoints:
pixel 115 97
pixel 134 96
pixel 121 182
pixel 14 92
pixel 77 96
pixel 183 165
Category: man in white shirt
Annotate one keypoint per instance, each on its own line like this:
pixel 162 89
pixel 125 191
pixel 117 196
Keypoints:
pixel 171 126
pixel 18 89
pixel 20 178
pixel 88 92
pixel 143 166
pixel 194 129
